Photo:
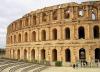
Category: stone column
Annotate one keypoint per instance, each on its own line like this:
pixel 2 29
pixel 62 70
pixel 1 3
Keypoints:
pixel 59 14
pixel 73 12
pixel 88 54
pixel 59 55
pixel 87 13
pixel 73 55
pixel 98 13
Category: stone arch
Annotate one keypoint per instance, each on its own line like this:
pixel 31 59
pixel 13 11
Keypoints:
pixel 11 39
pixel 54 55
pixel 81 32
pixel 26 21
pixel 67 55
pixel 25 54
pixel 66 13
pixel 96 31
pixel 34 19
pixel 43 35
pixel 67 33
pixel 54 34
pixel 18 54
pixel 93 15
pixel 44 17
pixel 26 37
pixel 19 38
pixel 14 38
pixel 20 22
pixel 43 54
pixel 97 54
pixel 54 15
pixel 94 12
pixel 33 36
pixel 80 13
pixel 33 54
pixel 82 54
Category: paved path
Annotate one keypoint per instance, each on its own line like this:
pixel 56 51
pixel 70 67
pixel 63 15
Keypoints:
pixel 70 69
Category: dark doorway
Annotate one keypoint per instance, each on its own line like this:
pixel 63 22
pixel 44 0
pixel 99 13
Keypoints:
pixel 54 34
pixel 97 54
pixel 67 55
pixel 18 54
pixel 96 31
pixel 33 54
pixel 82 54
pixel 43 35
pixel 67 33
pixel 81 33
pixel 25 54
pixel 42 54
pixel 54 55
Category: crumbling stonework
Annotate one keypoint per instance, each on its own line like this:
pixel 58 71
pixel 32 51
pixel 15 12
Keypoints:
pixel 67 32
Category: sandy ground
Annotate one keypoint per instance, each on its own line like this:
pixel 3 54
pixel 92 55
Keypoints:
pixel 70 69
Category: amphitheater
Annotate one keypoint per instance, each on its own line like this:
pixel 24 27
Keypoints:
pixel 67 32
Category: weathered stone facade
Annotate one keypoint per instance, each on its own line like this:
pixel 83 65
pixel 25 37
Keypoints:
pixel 68 32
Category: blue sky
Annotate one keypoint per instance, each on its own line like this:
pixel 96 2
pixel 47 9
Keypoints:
pixel 11 10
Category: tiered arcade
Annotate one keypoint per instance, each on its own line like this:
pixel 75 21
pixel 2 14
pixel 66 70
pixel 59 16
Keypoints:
pixel 67 32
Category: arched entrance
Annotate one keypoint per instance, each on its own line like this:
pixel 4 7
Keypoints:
pixel 43 35
pixel 19 38
pixel 54 55
pixel 82 54
pixel 43 54
pixel 54 34
pixel 33 36
pixel 67 55
pixel 26 37
pixel 96 31
pixel 81 33
pixel 25 54
pixel 97 54
pixel 67 33
pixel 33 54
pixel 18 54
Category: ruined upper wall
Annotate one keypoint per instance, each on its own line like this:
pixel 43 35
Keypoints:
pixel 89 10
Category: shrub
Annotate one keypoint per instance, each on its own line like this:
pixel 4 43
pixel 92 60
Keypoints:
pixel 58 63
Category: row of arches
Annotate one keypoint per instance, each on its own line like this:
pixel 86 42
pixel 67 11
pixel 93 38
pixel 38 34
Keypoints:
pixel 67 31
pixel 82 54
pixel 93 12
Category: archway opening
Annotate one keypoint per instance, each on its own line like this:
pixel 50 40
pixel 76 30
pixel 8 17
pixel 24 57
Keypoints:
pixel 82 54
pixel 54 34
pixel 81 33
pixel 43 35
pixel 33 36
pixel 25 54
pixel 18 54
pixel 66 13
pixel 97 54
pixel 19 38
pixel 26 37
pixel 67 55
pixel 14 38
pixel 67 33
pixel 54 15
pixel 54 55
pixel 33 54
pixel 96 31
pixel 93 16
pixel 43 54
